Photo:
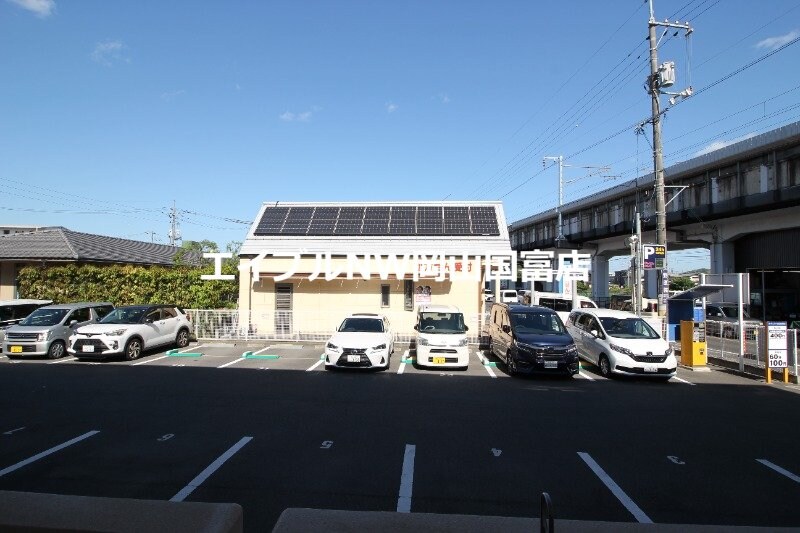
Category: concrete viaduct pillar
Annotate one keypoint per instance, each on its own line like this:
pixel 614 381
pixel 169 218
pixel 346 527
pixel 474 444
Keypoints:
pixel 599 278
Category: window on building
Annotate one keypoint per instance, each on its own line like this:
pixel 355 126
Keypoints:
pixel 408 294
pixel 385 295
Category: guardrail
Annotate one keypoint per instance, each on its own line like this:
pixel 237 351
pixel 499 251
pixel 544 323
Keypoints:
pixel 235 325
pixel 722 342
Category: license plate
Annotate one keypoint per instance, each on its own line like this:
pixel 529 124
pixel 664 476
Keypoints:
pixel 439 360
pixel 16 349
pixel 650 368
pixel 551 364
pixel 87 348
pixel 353 358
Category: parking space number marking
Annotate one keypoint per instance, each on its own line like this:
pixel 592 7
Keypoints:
pixel 326 444
pixel 496 452
pixel 676 460
pixel 165 437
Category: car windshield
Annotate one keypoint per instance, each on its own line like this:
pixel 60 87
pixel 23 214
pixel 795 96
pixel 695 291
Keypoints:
pixel 448 323
pixel 537 323
pixel 362 325
pixel 731 311
pixel 124 315
pixel 628 328
pixel 45 317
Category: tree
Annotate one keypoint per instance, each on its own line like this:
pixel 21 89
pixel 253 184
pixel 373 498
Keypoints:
pixel 200 246
pixel 681 283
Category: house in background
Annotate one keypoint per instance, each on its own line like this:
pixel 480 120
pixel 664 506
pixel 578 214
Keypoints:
pixel 303 305
pixel 48 246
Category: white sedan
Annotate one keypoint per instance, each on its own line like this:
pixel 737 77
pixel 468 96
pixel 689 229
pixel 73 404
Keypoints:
pixel 130 330
pixel 363 340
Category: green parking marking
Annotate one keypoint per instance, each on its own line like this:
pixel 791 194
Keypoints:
pixel 409 360
pixel 490 363
pixel 250 355
pixel 176 353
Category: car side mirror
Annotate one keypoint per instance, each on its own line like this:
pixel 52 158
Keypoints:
pixel 595 333
pixel 466 328
pixel 416 327
pixel 506 328
pixel 72 323
pixel 148 320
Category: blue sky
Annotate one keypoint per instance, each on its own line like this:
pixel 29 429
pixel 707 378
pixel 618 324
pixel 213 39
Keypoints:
pixel 113 110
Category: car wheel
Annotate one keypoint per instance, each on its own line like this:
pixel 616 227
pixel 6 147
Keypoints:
pixel 182 340
pixel 605 366
pixel 56 350
pixel 133 349
pixel 511 366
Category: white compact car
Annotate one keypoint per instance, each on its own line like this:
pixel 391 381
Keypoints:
pixel 619 342
pixel 363 340
pixel 441 337
pixel 130 330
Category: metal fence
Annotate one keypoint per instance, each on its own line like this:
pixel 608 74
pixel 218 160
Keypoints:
pixel 235 325
pixel 724 344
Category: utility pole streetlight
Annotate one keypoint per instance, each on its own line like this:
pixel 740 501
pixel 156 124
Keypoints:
pixel 663 76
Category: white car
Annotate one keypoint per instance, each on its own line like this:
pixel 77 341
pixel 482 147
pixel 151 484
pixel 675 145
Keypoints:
pixel 363 340
pixel 130 330
pixel 619 342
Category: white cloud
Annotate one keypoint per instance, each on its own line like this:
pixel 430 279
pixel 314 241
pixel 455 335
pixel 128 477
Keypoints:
pixel 304 116
pixel 109 52
pixel 719 145
pixel 171 95
pixel 41 8
pixel 772 43
pixel 444 98
pixel 391 107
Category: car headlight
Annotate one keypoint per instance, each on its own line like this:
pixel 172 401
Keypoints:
pixel 379 347
pixel 668 352
pixel 572 350
pixel 116 332
pixel 43 336
pixel 331 346
pixel 422 342
pixel 462 342
pixel 620 349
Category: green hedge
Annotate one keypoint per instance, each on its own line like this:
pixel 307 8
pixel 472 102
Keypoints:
pixel 127 284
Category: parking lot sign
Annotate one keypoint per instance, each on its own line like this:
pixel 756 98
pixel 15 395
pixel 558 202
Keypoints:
pixel 776 345
pixel 653 256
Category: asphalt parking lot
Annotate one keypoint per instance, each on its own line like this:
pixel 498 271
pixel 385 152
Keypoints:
pixel 275 430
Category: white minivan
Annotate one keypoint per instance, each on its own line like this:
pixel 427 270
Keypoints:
pixel 560 303
pixel 441 337
pixel 619 342
pixel 507 296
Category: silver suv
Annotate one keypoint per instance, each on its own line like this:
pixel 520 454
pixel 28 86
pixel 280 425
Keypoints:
pixel 47 330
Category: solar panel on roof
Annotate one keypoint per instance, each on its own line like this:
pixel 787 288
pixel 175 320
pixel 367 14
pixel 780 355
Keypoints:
pixel 376 220
pixel 403 220
pixel 484 221
pixel 350 221
pixel 271 221
pixel 429 220
pixel 323 222
pixel 297 221
pixel 456 221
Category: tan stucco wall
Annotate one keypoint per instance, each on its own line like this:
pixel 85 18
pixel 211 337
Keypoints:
pixel 7 281
pixel 319 306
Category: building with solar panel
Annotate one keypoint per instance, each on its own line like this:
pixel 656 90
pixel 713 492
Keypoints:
pixel 304 266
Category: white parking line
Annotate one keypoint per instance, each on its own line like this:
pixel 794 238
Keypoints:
pixel 210 469
pixel 615 489
pixel 402 367
pixel 263 350
pixel 483 364
pixel 585 375
pixel 47 452
pixel 676 378
pixel 778 469
pixel 65 360
pixel 315 365
pixel 165 356
pixel 239 360
pixel 406 480
pixel 149 360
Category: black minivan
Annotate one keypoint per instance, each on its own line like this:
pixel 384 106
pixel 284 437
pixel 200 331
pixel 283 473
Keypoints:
pixel 531 339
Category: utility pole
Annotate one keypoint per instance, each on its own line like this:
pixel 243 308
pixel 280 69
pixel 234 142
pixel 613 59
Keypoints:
pixel 560 159
pixel 663 76
pixel 174 232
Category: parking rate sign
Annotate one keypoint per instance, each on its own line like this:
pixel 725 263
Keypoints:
pixel 776 345
pixel 653 256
